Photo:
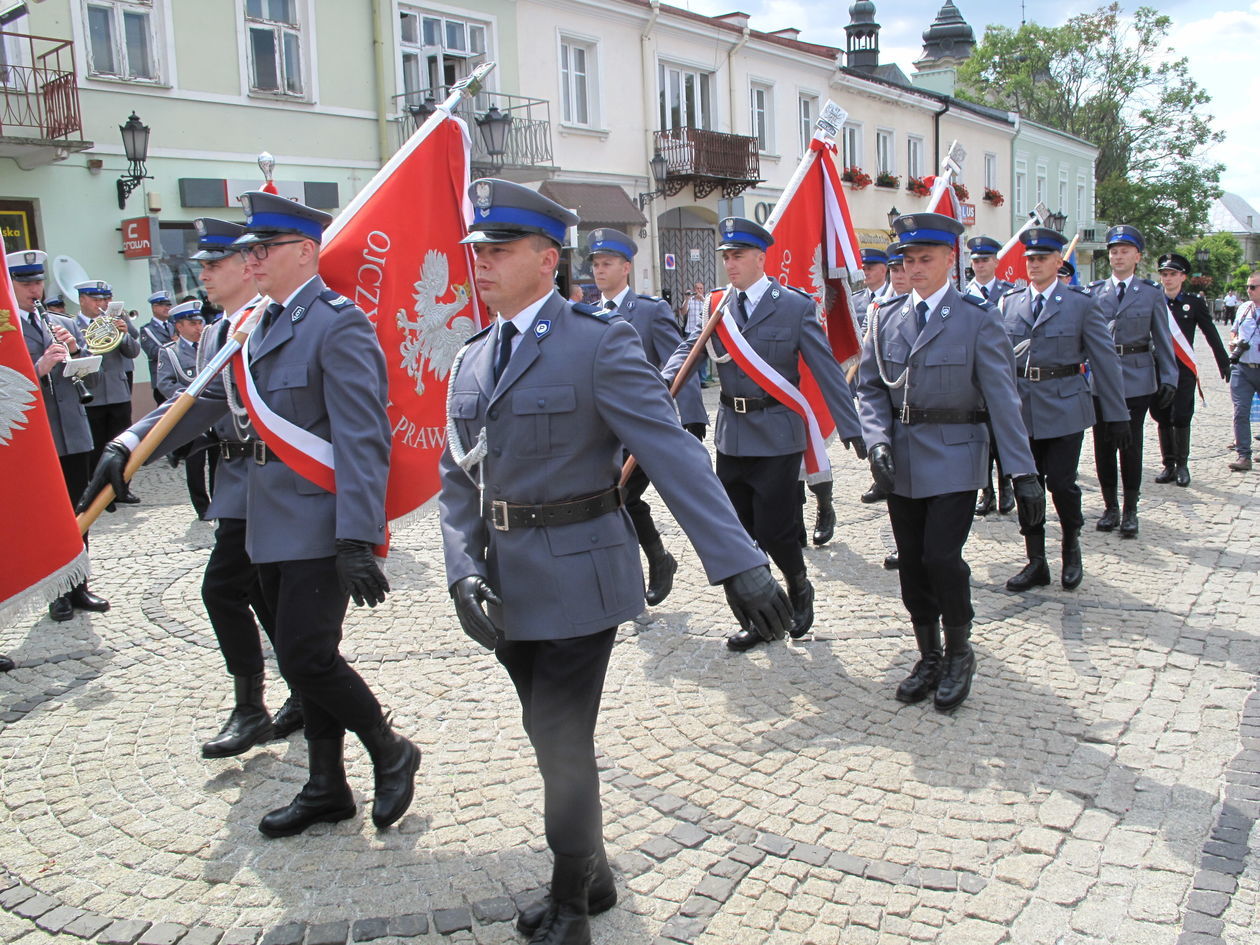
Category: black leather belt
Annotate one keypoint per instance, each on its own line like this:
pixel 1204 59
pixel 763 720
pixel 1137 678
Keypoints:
pixel 505 515
pixel 911 415
pixel 1133 349
pixel 250 449
pixel 747 404
pixel 1035 373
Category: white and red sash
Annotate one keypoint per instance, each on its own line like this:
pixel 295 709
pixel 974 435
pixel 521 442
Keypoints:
pixel 1184 350
pixel 817 464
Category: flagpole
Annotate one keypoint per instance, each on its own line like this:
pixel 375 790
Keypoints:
pixel 825 128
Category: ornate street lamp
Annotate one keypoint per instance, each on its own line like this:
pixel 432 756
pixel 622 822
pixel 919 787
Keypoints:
pixel 494 126
pixel 1202 256
pixel 659 166
pixel 135 138
pixel 426 108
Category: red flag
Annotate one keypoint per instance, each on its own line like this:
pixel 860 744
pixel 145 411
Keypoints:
pixel 815 248
pixel 943 199
pixel 45 555
pixel 269 187
pixel 1012 266
pixel 395 252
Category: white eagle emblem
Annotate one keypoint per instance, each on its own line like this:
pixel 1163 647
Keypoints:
pixel 435 336
pixel 17 397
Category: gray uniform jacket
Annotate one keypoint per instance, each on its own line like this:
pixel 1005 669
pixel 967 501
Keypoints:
pixel 1071 330
pixel 783 329
pixel 321 367
pixel 1000 288
pixel 1142 318
pixel 961 361
pixel 654 320
pixel 177 365
pixel 66 416
pixel 153 337
pixel 109 384
pixel 577 388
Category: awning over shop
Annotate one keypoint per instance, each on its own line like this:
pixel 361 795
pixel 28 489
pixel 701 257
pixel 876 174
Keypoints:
pixel 596 204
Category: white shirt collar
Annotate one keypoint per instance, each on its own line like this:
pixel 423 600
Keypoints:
pixel 619 298
pixel 1117 282
pixel 524 319
pixel 754 293
pixel 932 300
pixel 294 294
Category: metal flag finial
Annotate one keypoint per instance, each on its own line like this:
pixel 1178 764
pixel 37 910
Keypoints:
pixel 266 164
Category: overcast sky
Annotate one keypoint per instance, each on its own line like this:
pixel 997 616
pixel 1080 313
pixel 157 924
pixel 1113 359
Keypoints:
pixel 1221 39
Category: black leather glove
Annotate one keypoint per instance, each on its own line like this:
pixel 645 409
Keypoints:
pixel 108 472
pixel 758 602
pixel 882 469
pixel 360 576
pixel 857 444
pixel 1224 367
pixel 1164 397
pixel 1120 434
pixel 469 594
pixel 696 429
pixel 1031 500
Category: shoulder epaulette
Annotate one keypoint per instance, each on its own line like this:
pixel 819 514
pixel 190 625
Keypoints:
pixel 886 304
pixel 594 311
pixel 1014 290
pixel 649 298
pixel 171 344
pixel 1096 283
pixel 798 291
pixel 1151 283
pixel 484 331
pixel 980 303
pixel 335 299
pixel 1083 289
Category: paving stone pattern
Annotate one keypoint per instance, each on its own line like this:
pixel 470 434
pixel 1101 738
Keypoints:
pixel 1101 785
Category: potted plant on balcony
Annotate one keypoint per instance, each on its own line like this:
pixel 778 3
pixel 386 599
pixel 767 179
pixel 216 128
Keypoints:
pixel 994 196
pixel 885 179
pixel 961 191
pixel 918 186
pixel 855 177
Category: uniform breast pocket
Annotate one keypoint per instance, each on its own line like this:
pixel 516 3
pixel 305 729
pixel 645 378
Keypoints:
pixel 545 421
pixel 896 354
pixel 945 369
pixel 773 341
pixel 1062 340
pixel 288 394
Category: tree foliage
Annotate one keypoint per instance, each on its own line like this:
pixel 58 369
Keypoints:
pixel 1110 78
pixel 1225 255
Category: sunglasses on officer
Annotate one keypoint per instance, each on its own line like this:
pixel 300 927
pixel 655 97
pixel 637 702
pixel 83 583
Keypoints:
pixel 259 251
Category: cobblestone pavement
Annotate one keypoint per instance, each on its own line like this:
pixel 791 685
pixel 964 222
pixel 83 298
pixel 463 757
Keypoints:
pixel 1100 785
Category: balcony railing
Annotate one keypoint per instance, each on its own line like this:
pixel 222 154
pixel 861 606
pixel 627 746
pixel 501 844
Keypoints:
pixel 708 160
pixel 528 141
pixel 41 97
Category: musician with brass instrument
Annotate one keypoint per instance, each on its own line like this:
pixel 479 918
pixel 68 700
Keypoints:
pixel 112 335
pixel 52 340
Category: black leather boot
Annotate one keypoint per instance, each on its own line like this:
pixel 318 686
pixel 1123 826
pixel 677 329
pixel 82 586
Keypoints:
pixel 1169 452
pixel 893 561
pixel 1073 567
pixel 600 897
pixel 661 568
pixel 1036 572
pixel 825 521
pixel 83 599
pixel 61 609
pixel 927 671
pixel 801 594
pixel 6 664
pixel 1129 518
pixel 984 502
pixel 743 639
pixel 289 719
pixel 394 764
pixel 957 669
pixel 1181 440
pixel 324 799
pixel 874 494
pixel 1111 511
pixel 249 723
pixel 567 919
pixel 1006 495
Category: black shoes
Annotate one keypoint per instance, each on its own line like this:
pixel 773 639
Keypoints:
pixel 600 897
pixel 567 919
pixel 984 502
pixel 893 561
pixel 324 799
pixel 6 664
pixel 1129 518
pixel 801 595
pixel 1006 496
pixel 874 494
pixel 61 609
pixel 1181 440
pixel 1073 568
pixel 1168 450
pixel 289 719
pixel 744 639
pixel 825 521
pixel 661 569
pixel 927 671
pixel 1111 512
pixel 957 669
pixel 247 725
pixel 83 599
pixel 394 764
pixel 1035 573
pixel 129 499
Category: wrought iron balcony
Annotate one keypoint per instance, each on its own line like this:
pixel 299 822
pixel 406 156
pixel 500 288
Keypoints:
pixel 708 160
pixel 40 119
pixel 527 153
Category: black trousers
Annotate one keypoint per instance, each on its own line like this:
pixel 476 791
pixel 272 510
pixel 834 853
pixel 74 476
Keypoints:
pixel 106 422
pixel 1182 410
pixel 199 468
pixel 309 606
pixel 1058 459
pixel 1105 451
pixel 232 593
pixel 766 493
pixel 76 470
pixel 640 511
pixel 930 534
pixel 559 683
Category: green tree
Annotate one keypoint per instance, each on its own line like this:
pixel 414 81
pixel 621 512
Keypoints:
pixel 1225 254
pixel 1112 80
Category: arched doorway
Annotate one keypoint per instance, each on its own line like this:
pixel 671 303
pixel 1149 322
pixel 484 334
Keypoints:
pixel 687 253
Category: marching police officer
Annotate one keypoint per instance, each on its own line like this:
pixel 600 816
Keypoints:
pixel 50 341
pixel 985 284
pixel 1054 331
pixel 532 523
pixel 177 365
pixel 156 333
pixel 760 441
pixel 1137 315
pixel 877 287
pixel 1188 311
pixel 899 284
pixel 935 366
pixel 316 362
pixel 611 253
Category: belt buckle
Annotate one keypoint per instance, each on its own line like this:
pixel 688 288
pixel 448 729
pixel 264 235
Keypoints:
pixel 740 404
pixel 260 452
pixel 1034 373
pixel 1120 350
pixel 499 515
pixel 905 411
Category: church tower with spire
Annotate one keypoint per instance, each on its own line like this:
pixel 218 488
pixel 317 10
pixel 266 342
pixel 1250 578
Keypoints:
pixel 862 45
pixel 946 44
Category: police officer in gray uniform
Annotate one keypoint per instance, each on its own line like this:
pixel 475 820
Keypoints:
pixel 877 287
pixel 986 285
pixel 177 365
pixel 317 363
pixel 611 253
pixel 156 333
pixel 935 366
pixel 541 404
pixel 761 442
pixel 1055 330
pixel 1137 316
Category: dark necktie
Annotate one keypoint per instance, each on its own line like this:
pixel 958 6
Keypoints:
pixel 272 313
pixel 984 291
pixel 1038 304
pixel 506 334
pixel 922 310
pixel 35 324
pixel 741 309
pixel 1119 291
pixel 610 306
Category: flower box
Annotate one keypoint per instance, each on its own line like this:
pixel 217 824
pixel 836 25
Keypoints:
pixel 855 177
pixel 994 196
pixel 887 180
pixel 918 186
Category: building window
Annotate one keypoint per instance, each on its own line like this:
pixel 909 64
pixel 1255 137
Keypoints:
pixel 914 156
pixel 852 145
pixel 761 100
pixel 120 39
pixel 807 112
pixel 577 82
pixel 1043 184
pixel 437 51
pixel 275 46
pixel 1021 187
pixel 1063 193
pixel 1081 217
pixel 685 100
pixel 990 170
pixel 884 160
